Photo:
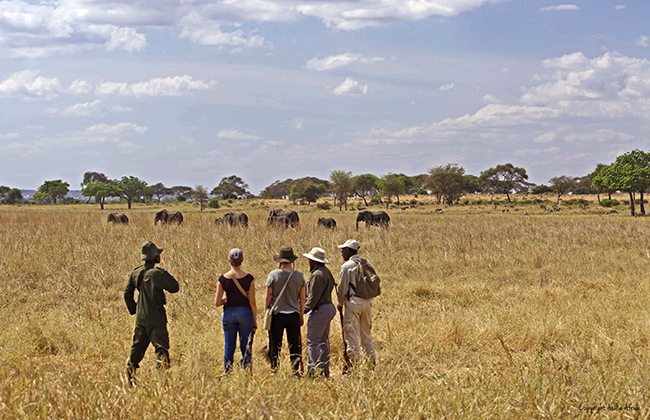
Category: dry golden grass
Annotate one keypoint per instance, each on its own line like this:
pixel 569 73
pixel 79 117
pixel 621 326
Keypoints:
pixel 483 314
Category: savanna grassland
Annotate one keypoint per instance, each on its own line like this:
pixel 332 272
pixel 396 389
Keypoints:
pixel 483 314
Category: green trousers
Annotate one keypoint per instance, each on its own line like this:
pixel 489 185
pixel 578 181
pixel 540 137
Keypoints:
pixel 142 336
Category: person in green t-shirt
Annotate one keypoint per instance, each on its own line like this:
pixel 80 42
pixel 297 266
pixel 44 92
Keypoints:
pixel 150 316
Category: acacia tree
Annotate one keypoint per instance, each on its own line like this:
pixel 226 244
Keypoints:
pixel 159 191
pixel 341 182
pixel 13 195
pixel 630 173
pixel 309 189
pixel 3 191
pixel 181 192
pixel 279 189
pixel 100 191
pixel 446 182
pixel 504 179
pixel 90 177
pixel 596 182
pixel 231 187
pixel 365 186
pixel 50 191
pixel 200 194
pixel 562 185
pixel 391 185
pixel 132 187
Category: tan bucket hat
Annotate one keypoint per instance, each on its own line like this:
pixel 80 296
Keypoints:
pixel 317 254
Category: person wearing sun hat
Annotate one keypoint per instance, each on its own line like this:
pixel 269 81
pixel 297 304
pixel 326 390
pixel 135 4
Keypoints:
pixel 288 313
pixel 150 316
pixel 357 319
pixel 321 311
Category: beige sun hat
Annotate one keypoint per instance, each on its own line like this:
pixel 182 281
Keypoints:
pixel 317 254
pixel 352 244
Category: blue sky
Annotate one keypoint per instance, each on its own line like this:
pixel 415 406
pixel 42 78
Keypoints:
pixel 189 92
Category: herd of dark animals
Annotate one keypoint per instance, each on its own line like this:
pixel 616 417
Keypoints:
pixel 278 218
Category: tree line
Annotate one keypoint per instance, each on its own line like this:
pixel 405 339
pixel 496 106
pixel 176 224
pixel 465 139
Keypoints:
pixel 629 173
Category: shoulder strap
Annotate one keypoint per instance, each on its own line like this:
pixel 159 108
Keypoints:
pixel 277 301
pixel 141 277
pixel 241 289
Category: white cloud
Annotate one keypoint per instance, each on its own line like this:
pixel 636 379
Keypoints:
pixel 602 135
pixel 121 129
pixel 79 87
pixel 445 88
pixel 351 87
pixel 491 99
pixel 337 61
pixel 88 109
pixel 536 152
pixel 545 137
pixel 28 84
pixel 619 7
pixel 642 41
pixel 567 62
pixel 236 135
pixel 298 123
pixel 8 136
pixel 168 86
pixel 118 38
pixel 560 7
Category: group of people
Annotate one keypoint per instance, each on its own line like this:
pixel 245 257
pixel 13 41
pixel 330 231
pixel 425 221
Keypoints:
pixel 288 298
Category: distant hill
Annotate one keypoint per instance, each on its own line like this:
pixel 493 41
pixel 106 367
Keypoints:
pixel 73 193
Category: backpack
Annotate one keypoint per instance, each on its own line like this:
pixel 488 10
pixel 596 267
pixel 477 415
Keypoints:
pixel 367 282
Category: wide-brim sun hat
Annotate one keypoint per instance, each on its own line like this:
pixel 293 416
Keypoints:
pixel 317 254
pixel 286 255
pixel 150 251
pixel 352 244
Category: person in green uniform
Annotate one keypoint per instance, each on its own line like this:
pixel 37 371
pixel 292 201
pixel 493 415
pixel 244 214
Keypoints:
pixel 149 311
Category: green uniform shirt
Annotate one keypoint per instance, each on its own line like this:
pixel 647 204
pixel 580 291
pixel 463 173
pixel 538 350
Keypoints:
pixel 150 309
pixel 319 288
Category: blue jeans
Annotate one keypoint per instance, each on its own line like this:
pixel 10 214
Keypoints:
pixel 238 319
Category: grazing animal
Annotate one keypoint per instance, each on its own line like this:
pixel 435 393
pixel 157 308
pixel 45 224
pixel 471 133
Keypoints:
pixel 291 215
pixel 233 219
pixel 373 218
pixel 281 221
pixel 327 222
pixel 166 217
pixel 494 206
pixel 516 210
pixel 611 212
pixel 525 213
pixel 439 211
pixel 117 218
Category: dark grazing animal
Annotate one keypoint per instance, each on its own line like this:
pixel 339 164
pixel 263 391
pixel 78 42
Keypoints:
pixel 281 221
pixel 118 218
pixel 233 219
pixel 373 218
pixel 291 215
pixel 327 222
pixel 166 217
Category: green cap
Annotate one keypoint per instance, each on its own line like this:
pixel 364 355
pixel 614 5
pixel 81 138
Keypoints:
pixel 150 251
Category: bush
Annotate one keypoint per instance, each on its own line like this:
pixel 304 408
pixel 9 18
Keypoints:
pixel 213 203
pixel 413 202
pixel 422 191
pixel 638 200
pixel 609 203
pixel 230 201
pixel 323 205
pixel 181 198
pixel 478 202
pixel 168 199
pixel 374 201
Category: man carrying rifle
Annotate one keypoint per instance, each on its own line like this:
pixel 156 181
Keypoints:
pixel 150 315
pixel 357 318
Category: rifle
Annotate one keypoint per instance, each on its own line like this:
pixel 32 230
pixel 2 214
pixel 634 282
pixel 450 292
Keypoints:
pixel 346 358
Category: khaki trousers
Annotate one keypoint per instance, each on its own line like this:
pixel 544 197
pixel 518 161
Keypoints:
pixel 357 323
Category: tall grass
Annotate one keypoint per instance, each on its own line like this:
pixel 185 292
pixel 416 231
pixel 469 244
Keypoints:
pixel 481 315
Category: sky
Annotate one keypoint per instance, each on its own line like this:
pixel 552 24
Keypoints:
pixel 188 92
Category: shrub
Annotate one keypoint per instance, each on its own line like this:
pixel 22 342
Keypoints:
pixel 230 201
pixel 213 203
pixel 478 202
pixel 181 198
pixel 466 202
pixel 323 205
pixel 168 199
pixel 374 201
pixel 638 200
pixel 609 203
pixel 413 202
